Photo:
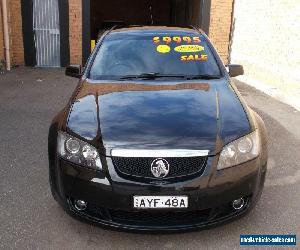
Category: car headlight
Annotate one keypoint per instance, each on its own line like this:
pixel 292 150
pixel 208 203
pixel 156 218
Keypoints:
pixel 241 150
pixel 77 151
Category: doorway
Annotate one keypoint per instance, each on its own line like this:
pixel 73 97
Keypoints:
pixel 46 33
pixel 142 12
pixel 99 15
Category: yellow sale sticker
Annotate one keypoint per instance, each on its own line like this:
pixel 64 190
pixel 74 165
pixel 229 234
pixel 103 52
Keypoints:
pixel 189 58
pixel 163 48
pixel 188 48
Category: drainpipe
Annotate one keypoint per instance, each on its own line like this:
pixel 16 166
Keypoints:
pixel 231 32
pixel 6 34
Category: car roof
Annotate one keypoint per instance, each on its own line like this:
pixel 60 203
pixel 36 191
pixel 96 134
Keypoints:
pixel 153 29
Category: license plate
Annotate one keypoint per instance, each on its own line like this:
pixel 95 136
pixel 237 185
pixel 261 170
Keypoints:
pixel 150 202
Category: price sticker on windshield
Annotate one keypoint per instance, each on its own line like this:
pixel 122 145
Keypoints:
pixel 176 39
pixel 188 46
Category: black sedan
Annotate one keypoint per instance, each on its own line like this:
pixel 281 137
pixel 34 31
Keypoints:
pixel 156 137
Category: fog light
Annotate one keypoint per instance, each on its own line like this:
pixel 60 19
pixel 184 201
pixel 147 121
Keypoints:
pixel 80 205
pixel 238 204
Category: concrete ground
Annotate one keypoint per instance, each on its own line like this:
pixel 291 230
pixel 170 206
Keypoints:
pixel 31 219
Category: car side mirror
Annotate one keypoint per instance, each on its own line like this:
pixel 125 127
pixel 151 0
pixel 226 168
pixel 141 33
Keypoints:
pixel 74 71
pixel 235 70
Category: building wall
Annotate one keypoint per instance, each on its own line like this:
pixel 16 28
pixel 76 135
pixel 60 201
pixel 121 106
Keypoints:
pixel 220 23
pixel 15 30
pixel 15 33
pixel 266 41
pixel 75 31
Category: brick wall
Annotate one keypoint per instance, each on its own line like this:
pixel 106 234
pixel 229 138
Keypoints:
pixel 15 33
pixel 15 30
pixel 220 23
pixel 16 36
pixel 75 31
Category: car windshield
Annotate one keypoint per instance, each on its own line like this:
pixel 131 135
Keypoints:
pixel 152 55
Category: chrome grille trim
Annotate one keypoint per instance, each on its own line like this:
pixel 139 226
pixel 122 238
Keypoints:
pixel 154 153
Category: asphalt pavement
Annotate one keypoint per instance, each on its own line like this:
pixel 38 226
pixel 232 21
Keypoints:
pixel 31 219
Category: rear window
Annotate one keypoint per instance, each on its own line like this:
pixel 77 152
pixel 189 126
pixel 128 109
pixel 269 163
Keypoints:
pixel 171 53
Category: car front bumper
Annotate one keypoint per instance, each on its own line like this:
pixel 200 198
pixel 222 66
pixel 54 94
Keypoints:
pixel 110 198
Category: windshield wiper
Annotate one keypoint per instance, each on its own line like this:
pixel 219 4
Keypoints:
pixel 151 75
pixel 154 75
pixel 205 77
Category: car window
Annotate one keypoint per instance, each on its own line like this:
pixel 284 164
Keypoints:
pixel 139 53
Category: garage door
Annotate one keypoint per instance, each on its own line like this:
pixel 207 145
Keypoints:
pixel 46 32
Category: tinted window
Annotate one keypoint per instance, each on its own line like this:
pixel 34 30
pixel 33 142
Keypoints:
pixel 135 53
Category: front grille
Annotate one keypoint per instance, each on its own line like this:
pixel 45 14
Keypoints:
pixel 149 218
pixel 159 218
pixel 131 167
